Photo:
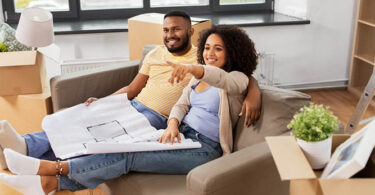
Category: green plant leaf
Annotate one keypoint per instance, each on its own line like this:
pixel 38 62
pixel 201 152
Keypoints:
pixel 314 123
pixel 3 48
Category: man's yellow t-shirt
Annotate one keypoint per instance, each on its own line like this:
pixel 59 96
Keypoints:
pixel 158 94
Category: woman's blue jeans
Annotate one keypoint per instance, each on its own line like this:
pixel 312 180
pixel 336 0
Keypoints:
pixel 90 171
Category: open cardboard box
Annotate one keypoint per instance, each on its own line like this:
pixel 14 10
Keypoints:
pixel 20 73
pixel 28 72
pixel 292 165
pixel 146 29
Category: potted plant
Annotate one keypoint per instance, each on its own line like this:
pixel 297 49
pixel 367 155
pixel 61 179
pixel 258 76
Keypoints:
pixel 313 127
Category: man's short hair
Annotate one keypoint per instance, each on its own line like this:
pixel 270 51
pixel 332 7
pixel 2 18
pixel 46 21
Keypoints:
pixel 180 14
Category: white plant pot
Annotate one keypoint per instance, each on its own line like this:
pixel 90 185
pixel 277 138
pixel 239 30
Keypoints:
pixel 317 153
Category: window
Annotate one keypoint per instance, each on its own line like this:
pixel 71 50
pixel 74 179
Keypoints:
pixel 175 3
pixel 240 2
pixel 110 4
pixel 54 5
pixel 61 9
pixel 64 10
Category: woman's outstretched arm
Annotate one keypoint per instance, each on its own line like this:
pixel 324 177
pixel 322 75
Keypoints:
pixel 179 71
pixel 234 82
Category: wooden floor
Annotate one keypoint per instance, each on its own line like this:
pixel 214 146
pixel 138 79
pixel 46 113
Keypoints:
pixel 342 104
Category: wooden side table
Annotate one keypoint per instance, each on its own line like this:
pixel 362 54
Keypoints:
pixel 25 112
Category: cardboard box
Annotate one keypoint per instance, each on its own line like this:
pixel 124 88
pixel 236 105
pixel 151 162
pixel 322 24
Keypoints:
pixel 147 29
pixel 25 112
pixel 50 62
pixel 28 72
pixel 292 165
pixel 19 73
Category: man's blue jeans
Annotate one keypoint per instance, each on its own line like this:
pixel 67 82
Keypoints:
pixel 90 171
pixel 38 145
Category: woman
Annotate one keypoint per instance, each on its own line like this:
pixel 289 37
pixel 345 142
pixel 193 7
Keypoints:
pixel 206 112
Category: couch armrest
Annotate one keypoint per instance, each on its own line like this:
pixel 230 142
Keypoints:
pixel 249 171
pixel 71 89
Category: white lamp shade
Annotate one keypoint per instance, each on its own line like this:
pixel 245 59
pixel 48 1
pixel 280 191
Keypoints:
pixel 35 28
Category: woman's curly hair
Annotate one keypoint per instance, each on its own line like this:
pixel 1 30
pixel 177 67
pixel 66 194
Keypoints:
pixel 240 50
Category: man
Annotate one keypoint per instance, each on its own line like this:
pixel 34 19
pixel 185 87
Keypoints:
pixel 150 92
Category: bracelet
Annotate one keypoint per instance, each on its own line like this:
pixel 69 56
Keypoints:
pixel 59 168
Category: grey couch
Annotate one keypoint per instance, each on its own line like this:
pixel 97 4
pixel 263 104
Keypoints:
pixel 248 170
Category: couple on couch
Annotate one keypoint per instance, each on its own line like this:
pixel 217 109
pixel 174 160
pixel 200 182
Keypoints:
pixel 209 100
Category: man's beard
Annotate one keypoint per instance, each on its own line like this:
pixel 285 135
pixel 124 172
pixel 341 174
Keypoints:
pixel 184 45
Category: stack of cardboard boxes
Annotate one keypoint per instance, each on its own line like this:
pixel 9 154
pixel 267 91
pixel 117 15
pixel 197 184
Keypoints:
pixel 24 87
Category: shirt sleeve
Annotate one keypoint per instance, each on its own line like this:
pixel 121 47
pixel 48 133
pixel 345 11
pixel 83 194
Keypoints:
pixel 233 82
pixel 145 68
pixel 183 105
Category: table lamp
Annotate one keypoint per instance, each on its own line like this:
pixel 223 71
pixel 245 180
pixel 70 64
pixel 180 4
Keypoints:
pixel 35 27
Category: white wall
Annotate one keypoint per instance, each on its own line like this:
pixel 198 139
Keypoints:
pixel 313 53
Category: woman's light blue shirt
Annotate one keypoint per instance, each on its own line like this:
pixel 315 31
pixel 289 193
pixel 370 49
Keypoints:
pixel 203 114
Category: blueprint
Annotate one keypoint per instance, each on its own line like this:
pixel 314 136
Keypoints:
pixel 108 125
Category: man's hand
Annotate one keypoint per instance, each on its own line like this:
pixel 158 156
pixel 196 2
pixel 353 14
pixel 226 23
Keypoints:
pixel 171 132
pixel 90 100
pixel 179 71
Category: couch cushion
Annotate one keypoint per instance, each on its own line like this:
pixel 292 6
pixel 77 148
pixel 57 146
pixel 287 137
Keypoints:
pixel 278 108
pixel 145 184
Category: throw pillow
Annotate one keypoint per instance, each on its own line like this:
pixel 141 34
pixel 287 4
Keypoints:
pixel 278 108
pixel 8 38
